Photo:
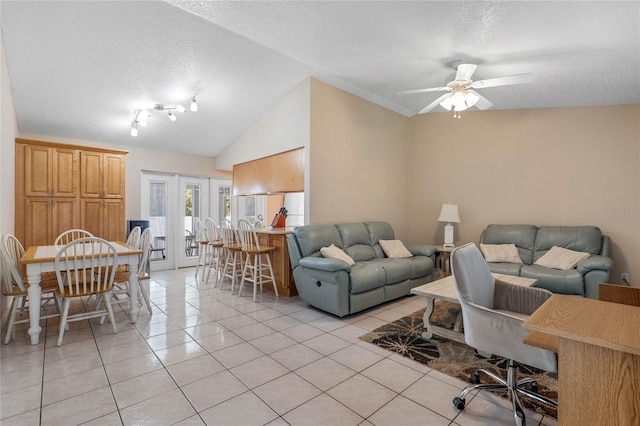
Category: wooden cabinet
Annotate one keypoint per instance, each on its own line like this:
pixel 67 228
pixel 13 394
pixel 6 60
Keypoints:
pixel 279 173
pixel 60 187
pixel 102 175
pixel 48 217
pixel 50 172
pixel 279 260
pixel 104 217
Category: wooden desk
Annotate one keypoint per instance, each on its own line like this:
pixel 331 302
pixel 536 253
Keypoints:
pixel 598 359
pixel 40 259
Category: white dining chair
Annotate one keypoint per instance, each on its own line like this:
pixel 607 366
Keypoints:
pixel 13 285
pixel 84 267
pixel 71 235
pixel 134 236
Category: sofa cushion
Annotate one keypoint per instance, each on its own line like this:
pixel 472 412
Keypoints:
pixel 355 241
pixel 366 276
pixel 394 249
pixel 311 238
pixel 336 253
pixel 379 231
pixel 561 258
pixel 396 270
pixel 578 238
pixel 505 268
pixel 523 236
pixel 555 280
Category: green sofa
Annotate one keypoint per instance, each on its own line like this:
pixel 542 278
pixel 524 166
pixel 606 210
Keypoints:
pixel 334 286
pixel 533 242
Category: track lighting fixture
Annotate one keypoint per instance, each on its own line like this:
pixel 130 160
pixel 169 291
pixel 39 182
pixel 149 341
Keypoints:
pixel 142 115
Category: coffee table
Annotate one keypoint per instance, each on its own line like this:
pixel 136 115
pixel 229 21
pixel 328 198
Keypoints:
pixel 443 289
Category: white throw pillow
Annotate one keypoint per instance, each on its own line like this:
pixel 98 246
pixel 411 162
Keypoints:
pixel 336 253
pixel 394 249
pixel 561 258
pixel 500 253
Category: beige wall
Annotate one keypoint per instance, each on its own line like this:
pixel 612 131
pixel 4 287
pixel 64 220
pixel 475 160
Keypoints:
pixel 142 159
pixel 358 160
pixel 556 166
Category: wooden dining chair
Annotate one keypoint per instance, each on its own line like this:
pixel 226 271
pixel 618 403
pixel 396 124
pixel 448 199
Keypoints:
pixel 257 267
pixel 71 235
pixel 85 267
pixel 13 285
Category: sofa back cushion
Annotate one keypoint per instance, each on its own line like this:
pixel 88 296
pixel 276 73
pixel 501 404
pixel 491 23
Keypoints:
pixel 523 236
pixel 379 231
pixel 355 241
pixel 587 239
pixel 311 238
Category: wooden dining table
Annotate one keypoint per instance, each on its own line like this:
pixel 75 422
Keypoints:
pixel 40 259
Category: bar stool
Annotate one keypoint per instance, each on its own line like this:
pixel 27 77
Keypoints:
pixel 257 266
pixel 213 250
pixel 232 267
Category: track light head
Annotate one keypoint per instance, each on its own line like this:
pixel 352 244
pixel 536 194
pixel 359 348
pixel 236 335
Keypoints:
pixel 141 116
pixel 172 116
pixel 194 105
pixel 134 130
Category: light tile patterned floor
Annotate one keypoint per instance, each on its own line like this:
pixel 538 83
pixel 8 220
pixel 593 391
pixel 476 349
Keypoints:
pixel 208 357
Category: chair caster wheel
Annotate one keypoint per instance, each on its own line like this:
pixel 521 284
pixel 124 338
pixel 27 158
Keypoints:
pixel 474 379
pixel 534 387
pixel 458 403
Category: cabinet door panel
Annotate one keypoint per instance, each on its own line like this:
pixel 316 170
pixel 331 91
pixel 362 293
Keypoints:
pixel 91 215
pixel 38 222
pixel 65 172
pixel 91 174
pixel 114 183
pixel 114 226
pixel 64 215
pixel 38 171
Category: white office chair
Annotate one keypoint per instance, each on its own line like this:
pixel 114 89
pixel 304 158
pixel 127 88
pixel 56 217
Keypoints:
pixel 493 312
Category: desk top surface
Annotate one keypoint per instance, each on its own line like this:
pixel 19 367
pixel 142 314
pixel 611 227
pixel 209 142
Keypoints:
pixel 610 325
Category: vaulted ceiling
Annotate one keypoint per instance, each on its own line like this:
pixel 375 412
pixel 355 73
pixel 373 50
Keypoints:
pixel 80 69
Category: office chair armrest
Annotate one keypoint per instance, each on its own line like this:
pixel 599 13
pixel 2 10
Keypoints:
pixel 517 298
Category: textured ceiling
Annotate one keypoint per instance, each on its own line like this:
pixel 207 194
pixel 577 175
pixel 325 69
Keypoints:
pixel 80 69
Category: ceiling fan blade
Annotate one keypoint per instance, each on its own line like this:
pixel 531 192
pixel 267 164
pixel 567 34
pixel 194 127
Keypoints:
pixel 465 71
pixel 502 81
pixel 483 103
pixel 433 104
pixel 430 89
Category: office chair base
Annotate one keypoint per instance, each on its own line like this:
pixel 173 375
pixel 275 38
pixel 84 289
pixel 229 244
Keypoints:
pixel 527 387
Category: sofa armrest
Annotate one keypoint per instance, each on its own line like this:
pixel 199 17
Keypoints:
pixel 517 298
pixel 325 264
pixel 591 263
pixel 422 250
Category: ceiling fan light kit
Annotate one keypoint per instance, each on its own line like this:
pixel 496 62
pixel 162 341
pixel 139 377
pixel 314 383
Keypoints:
pixel 141 116
pixel 461 94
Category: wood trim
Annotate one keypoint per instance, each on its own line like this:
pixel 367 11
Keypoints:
pixel 278 173
pixel 70 146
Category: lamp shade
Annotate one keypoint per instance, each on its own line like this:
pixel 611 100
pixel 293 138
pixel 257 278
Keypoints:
pixel 449 213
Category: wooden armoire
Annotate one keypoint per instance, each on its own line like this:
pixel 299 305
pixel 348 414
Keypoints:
pixel 61 187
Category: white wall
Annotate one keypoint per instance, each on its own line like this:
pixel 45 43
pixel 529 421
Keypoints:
pixel 283 128
pixel 8 130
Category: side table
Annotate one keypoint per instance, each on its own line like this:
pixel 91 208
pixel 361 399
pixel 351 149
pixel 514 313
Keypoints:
pixel 443 259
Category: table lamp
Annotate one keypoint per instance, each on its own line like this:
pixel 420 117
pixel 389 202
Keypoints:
pixel 449 213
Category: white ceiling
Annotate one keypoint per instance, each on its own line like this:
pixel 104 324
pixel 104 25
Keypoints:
pixel 80 69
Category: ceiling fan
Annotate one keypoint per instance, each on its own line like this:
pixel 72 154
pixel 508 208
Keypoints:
pixel 461 94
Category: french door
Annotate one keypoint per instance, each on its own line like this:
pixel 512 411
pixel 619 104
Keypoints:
pixel 175 205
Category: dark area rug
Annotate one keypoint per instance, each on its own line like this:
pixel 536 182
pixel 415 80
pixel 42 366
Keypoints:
pixel 404 336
